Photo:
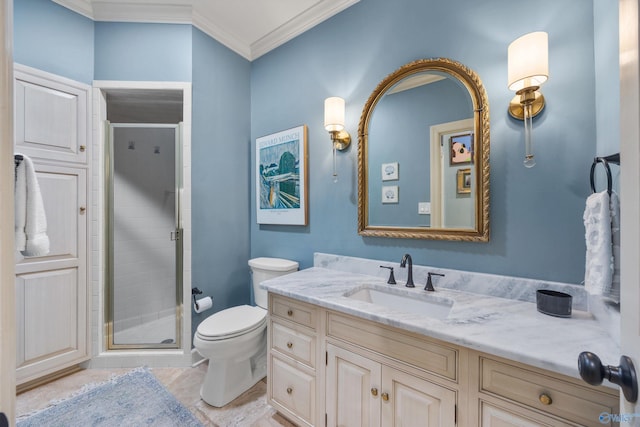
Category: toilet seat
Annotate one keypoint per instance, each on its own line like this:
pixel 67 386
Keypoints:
pixel 231 322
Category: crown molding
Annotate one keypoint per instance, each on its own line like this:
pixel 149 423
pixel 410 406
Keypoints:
pixel 210 28
pixel 187 12
pixel 298 25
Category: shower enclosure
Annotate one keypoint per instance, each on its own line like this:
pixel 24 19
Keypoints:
pixel 144 253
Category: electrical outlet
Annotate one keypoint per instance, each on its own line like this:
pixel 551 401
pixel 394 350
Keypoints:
pixel 424 208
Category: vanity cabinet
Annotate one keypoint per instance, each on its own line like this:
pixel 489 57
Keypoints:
pixel 291 368
pixel 363 392
pixel 333 369
pixel 506 387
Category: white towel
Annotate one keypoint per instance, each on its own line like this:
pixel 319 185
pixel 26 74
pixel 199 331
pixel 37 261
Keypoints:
pixel 614 205
pixel 599 268
pixel 30 219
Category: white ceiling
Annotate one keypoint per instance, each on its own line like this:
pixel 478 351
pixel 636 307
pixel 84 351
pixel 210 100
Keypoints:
pixel 249 27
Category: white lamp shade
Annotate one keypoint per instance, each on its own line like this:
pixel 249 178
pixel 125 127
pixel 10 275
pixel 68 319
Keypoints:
pixel 334 114
pixel 528 61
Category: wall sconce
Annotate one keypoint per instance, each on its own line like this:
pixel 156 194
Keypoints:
pixel 334 123
pixel 528 70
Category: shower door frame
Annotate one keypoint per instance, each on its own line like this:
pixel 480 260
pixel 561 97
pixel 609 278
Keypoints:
pixel 109 223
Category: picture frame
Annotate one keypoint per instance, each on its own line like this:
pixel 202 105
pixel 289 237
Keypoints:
pixel 281 177
pixel 389 194
pixel 461 149
pixel 463 179
pixel 389 171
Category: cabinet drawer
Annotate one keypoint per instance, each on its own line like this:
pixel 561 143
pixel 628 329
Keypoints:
pixel 293 389
pixel 533 388
pixel 413 349
pixel 294 343
pixel 293 311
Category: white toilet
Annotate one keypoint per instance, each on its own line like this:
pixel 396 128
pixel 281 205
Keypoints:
pixel 235 339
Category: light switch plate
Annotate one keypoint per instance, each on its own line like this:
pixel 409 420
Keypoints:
pixel 424 208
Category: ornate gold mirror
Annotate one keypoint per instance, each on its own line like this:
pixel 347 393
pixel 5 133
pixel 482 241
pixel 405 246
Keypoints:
pixel 423 157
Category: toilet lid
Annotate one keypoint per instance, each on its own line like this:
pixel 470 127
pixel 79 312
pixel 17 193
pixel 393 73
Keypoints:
pixel 232 322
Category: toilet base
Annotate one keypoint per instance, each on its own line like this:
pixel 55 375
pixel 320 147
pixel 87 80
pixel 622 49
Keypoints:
pixel 227 379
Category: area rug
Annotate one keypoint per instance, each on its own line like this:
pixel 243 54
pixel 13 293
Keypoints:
pixel 136 398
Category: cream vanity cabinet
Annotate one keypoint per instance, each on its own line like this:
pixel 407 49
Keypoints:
pixel 293 353
pixel 333 369
pixel 52 126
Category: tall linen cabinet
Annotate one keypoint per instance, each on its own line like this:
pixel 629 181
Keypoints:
pixel 53 127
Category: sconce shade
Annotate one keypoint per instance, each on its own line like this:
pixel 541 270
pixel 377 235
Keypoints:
pixel 334 114
pixel 528 64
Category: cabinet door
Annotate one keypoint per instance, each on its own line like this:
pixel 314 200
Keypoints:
pixel 51 116
pixel 51 290
pixel 353 389
pixel 411 401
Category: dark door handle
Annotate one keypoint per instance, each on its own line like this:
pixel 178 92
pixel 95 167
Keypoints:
pixel 593 372
pixel 4 422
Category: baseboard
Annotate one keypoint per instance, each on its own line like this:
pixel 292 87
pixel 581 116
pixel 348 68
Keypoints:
pixel 196 358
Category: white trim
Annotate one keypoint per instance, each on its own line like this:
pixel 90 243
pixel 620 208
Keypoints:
pixel 301 23
pixel 131 358
pixel 7 249
pixel 629 189
pixel 187 12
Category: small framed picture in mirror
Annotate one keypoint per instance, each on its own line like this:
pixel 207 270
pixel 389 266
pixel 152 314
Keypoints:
pixel 464 181
pixel 461 149
pixel 390 171
pixel 390 194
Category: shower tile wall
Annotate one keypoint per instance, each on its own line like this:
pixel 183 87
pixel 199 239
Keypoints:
pixel 144 254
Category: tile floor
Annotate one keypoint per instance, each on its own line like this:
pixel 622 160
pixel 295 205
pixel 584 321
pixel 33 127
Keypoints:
pixel 250 409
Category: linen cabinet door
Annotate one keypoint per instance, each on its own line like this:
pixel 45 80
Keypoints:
pixel 409 401
pixel 353 389
pixel 51 290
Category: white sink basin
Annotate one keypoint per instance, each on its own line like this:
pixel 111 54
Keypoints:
pixel 438 309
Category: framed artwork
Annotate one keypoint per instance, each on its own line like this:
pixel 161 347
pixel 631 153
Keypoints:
pixel 390 171
pixel 281 177
pixel 461 149
pixel 389 194
pixel 464 181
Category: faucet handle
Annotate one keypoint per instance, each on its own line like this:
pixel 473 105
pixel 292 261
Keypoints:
pixel 392 279
pixel 429 285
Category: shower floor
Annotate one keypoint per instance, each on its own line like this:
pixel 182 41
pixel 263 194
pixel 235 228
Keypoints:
pixel 159 331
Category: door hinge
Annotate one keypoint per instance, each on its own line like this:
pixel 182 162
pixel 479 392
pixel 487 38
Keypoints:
pixel 325 420
pixel 455 414
pixel 326 358
pixel 175 235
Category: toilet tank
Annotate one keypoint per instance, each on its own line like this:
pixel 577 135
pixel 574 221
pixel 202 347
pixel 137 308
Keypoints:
pixel 268 268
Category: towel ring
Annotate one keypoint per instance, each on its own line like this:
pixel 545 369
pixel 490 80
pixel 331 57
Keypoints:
pixel 607 170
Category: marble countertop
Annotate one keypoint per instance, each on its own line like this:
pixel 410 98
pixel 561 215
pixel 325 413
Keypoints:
pixel 503 327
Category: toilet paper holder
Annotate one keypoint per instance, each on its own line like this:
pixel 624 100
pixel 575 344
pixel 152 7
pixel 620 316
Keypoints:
pixel 194 292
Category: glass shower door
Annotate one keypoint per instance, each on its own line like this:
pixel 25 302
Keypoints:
pixel 144 236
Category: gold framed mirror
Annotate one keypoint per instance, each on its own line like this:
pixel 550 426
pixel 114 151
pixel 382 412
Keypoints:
pixel 423 155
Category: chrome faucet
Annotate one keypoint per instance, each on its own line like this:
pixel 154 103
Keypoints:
pixel 403 264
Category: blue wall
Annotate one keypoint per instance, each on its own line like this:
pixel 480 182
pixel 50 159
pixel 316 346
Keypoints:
pixel 536 214
pixel 220 178
pixel 52 38
pixel 150 52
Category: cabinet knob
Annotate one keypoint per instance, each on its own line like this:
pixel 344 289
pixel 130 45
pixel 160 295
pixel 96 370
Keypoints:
pixel 82 210
pixel 289 344
pixel 289 390
pixel 82 148
pixel 289 312
pixel 374 391
pixel 385 396
pixel 545 399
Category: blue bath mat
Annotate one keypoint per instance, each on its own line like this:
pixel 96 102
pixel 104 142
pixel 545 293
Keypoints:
pixel 134 399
